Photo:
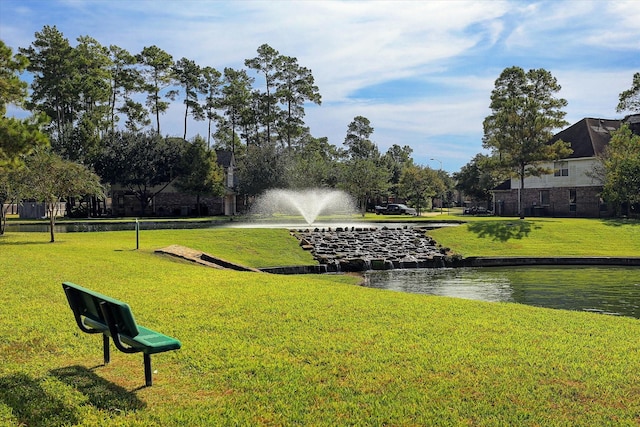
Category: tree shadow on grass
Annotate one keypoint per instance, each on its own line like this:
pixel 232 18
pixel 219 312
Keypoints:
pixel 24 243
pixel 618 222
pixel 501 231
pixel 34 405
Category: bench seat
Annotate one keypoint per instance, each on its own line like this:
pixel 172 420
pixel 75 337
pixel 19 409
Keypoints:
pixel 97 313
pixel 151 342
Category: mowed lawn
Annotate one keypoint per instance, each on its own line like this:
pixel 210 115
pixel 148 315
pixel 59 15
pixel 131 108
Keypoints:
pixel 490 236
pixel 261 349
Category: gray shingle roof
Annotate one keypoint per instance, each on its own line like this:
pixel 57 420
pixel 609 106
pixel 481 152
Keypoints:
pixel 588 137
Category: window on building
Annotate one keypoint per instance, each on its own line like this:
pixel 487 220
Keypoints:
pixel 572 200
pixel 544 198
pixel 561 169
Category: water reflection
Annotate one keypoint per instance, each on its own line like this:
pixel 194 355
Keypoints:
pixel 77 227
pixel 610 290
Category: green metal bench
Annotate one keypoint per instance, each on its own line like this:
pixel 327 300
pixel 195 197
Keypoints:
pixel 99 314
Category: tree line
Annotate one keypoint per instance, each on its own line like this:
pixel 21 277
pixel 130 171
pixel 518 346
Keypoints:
pixel 101 107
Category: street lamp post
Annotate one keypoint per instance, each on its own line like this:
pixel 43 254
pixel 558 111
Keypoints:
pixel 442 197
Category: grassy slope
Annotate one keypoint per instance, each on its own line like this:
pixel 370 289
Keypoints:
pixel 280 350
pixel 542 237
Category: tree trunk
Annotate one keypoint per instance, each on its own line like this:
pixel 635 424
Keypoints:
pixel 3 219
pixel 520 208
pixel 52 220
pixel 186 114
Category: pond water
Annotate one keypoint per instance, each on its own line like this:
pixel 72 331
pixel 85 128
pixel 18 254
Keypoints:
pixel 609 290
pixel 89 226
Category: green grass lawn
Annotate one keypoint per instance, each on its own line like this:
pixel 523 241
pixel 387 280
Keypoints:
pixel 261 349
pixel 488 236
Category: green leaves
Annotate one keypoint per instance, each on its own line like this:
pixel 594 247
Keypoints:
pixel 157 75
pixel 51 179
pixel 630 99
pixel 12 89
pixel 622 168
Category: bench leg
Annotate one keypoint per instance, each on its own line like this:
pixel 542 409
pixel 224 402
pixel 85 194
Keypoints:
pixel 147 370
pixel 105 348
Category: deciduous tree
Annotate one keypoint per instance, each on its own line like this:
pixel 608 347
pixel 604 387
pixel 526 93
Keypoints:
pixel 12 189
pixel 262 167
pixel 418 184
pixel 477 178
pixel 312 164
pixel 143 163
pixel 51 179
pixel 397 159
pixel 622 171
pixel 201 174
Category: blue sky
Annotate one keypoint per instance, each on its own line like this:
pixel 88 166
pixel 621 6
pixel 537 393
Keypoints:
pixel 421 71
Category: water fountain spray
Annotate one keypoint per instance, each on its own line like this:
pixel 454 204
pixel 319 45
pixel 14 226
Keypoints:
pixel 309 203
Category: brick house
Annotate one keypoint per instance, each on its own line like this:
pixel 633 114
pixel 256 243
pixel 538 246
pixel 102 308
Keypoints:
pixel 570 190
pixel 171 202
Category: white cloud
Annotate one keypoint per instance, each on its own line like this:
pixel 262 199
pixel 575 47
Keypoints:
pixel 593 93
pixel 452 50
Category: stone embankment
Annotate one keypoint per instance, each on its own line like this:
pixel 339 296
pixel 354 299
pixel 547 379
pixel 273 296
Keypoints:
pixel 371 248
pixel 356 249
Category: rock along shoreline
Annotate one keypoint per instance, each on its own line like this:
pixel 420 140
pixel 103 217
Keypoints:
pixel 359 249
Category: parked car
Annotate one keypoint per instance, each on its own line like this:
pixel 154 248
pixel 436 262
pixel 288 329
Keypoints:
pixel 477 210
pixel 395 209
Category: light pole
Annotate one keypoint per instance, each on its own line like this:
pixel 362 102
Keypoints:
pixel 442 199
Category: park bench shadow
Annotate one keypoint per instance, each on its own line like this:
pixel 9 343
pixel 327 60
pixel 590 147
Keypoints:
pixel 101 393
pixel 34 405
pixel 501 231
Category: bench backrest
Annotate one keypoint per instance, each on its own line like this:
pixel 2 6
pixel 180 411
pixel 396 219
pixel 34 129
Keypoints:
pixel 85 302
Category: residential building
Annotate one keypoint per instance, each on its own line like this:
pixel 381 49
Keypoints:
pixel 571 189
pixel 171 202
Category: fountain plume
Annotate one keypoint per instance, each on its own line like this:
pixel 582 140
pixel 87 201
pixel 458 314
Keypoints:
pixel 309 203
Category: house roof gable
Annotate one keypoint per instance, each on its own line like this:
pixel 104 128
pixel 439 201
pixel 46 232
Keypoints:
pixel 225 158
pixel 588 137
